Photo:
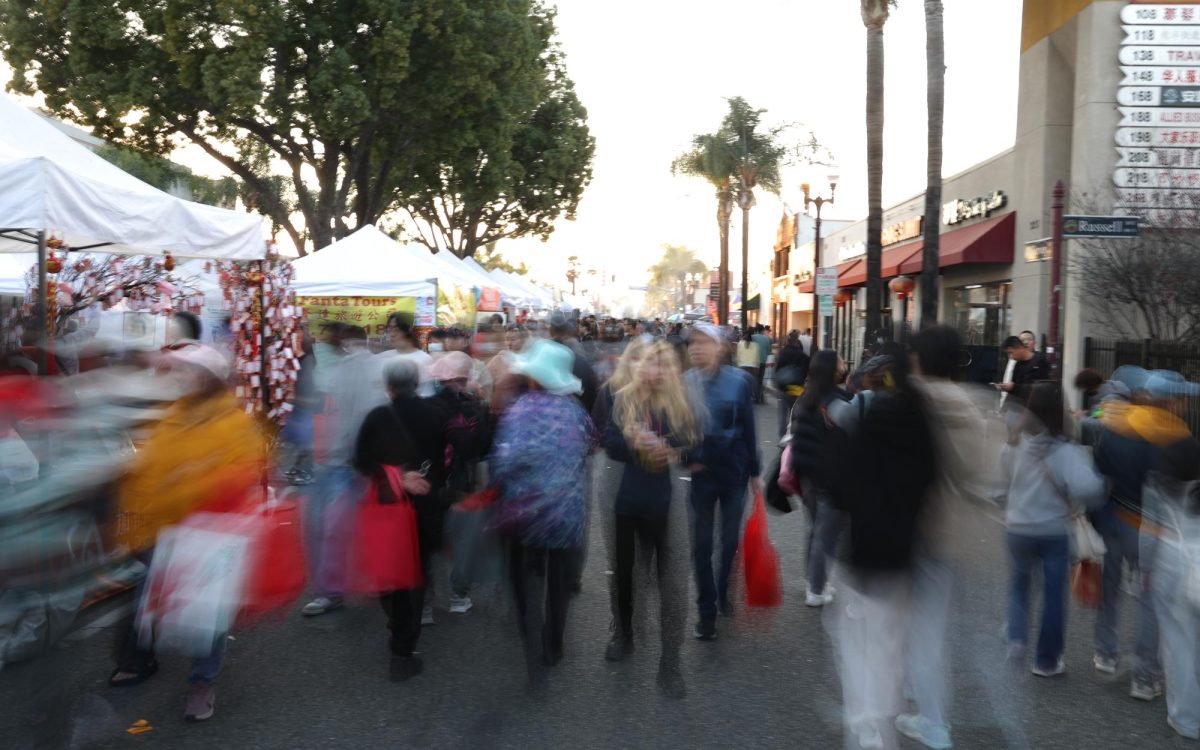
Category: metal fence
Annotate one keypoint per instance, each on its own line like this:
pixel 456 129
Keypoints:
pixel 1106 355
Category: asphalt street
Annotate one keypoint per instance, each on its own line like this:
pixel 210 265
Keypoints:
pixel 768 681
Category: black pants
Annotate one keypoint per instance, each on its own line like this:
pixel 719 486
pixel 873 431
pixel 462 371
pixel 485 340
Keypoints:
pixel 759 396
pixel 403 608
pixel 653 535
pixel 541 581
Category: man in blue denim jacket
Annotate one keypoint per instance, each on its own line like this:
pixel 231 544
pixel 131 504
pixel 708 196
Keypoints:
pixel 721 467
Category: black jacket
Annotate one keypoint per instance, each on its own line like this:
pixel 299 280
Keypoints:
pixel 1025 374
pixel 407 432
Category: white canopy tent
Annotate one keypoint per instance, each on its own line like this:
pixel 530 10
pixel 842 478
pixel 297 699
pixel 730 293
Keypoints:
pixel 452 272
pixel 368 263
pixel 12 273
pixel 539 296
pixel 51 184
pixel 509 291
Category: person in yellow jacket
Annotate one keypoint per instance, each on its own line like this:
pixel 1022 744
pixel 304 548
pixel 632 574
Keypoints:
pixel 206 454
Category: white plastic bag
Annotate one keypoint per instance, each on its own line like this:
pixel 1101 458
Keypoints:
pixel 194 588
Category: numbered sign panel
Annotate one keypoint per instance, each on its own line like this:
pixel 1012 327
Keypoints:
pixel 1188 158
pixel 1165 13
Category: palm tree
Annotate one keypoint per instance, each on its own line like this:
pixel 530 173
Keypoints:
pixel 669 276
pixel 711 159
pixel 757 155
pixel 874 16
pixel 935 72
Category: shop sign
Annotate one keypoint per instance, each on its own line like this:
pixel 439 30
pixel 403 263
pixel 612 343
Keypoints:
pixel 826 310
pixel 901 231
pixel 1158 198
pixel 853 250
pixel 371 313
pixel 1161 13
pixel 1177 179
pixel 958 211
pixel 827 280
pixel 1161 35
pixel 1163 217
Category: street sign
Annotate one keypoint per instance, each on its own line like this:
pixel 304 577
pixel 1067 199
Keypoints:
pixel 1099 226
pixel 1159 117
pixel 826 310
pixel 1161 75
pixel 1175 178
pixel 1142 55
pixel 1158 198
pixel 1154 96
pixel 1188 158
pixel 1158 137
pixel 1160 13
pixel 827 280
pixel 1164 36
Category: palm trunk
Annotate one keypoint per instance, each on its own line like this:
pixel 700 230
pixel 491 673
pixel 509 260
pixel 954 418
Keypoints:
pixel 874 175
pixel 935 71
pixel 745 264
pixel 724 209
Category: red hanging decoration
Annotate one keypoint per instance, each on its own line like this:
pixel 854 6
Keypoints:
pixel 53 264
pixel 168 261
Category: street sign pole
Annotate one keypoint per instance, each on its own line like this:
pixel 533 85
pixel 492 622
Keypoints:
pixel 1054 347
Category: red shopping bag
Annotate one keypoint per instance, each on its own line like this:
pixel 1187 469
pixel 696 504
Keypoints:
pixel 386 555
pixel 276 574
pixel 1087 583
pixel 760 561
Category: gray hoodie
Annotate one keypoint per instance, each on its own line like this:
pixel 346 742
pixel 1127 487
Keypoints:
pixel 1048 473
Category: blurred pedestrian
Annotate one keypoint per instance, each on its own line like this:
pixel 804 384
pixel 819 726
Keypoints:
pixel 1168 553
pixel 722 466
pixel 539 463
pixel 763 342
pixel 298 430
pixel 791 370
pixel 405 346
pixel 1052 480
pixel 747 359
pixel 823 409
pixel 205 454
pixel 409 432
pixel 353 393
pixel 652 422
pixel 1127 448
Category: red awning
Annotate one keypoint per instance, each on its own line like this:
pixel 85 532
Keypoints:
pixel 850 266
pixel 890 262
pixel 988 241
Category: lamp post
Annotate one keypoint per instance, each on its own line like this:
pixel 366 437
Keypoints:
pixel 1053 345
pixel 902 286
pixel 819 201
pixel 841 300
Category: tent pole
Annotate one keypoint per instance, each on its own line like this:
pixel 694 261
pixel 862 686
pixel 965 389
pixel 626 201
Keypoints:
pixel 43 338
pixel 433 281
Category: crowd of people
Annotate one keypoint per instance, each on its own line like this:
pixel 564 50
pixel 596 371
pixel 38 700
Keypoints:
pixel 491 436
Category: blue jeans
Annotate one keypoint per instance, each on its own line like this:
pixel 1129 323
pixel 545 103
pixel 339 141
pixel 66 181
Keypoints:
pixel 1121 542
pixel 786 403
pixel 709 489
pixel 824 528
pixel 1025 552
pixel 328 508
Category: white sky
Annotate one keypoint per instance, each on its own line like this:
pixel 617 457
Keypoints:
pixel 653 73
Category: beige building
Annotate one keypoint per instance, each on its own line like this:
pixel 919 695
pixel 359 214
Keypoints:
pixel 995 222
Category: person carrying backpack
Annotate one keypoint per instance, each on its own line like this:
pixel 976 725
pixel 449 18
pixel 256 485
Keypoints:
pixel 881 470
pixel 823 409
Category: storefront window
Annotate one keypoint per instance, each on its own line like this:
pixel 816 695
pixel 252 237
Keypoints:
pixel 981 313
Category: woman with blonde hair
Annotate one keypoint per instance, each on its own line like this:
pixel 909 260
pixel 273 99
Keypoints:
pixel 652 421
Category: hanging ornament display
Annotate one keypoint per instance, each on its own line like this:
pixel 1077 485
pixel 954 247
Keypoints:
pixel 265 323
pixel 168 261
pixel 53 264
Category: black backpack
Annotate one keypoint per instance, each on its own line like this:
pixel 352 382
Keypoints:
pixel 815 443
pixel 883 474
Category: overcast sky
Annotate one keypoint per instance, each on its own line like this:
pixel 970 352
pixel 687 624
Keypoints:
pixel 652 73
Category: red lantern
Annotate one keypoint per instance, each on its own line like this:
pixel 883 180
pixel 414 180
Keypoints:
pixel 168 262
pixel 902 286
pixel 54 243
pixel 53 264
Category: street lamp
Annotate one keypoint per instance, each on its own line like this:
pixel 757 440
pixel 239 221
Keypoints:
pixel 819 201
pixel 902 286
pixel 841 320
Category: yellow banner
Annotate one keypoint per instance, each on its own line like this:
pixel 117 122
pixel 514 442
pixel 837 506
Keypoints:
pixel 369 312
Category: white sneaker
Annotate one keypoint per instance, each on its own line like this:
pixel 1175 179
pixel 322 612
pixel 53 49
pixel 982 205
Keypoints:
pixel 1105 664
pixel 427 616
pixel 1056 670
pixel 917 727
pixel 320 606
pixel 818 600
pixel 460 604
pixel 1145 690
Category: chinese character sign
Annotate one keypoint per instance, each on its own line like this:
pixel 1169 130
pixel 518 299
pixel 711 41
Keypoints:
pixel 369 312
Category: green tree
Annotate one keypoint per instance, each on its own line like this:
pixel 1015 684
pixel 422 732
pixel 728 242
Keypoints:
pixel 489 259
pixel 874 16
pixel 522 167
pixel 711 158
pixel 668 277
pixel 935 72
pixel 167 175
pixel 346 101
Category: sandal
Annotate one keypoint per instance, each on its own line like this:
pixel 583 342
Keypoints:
pixel 133 675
